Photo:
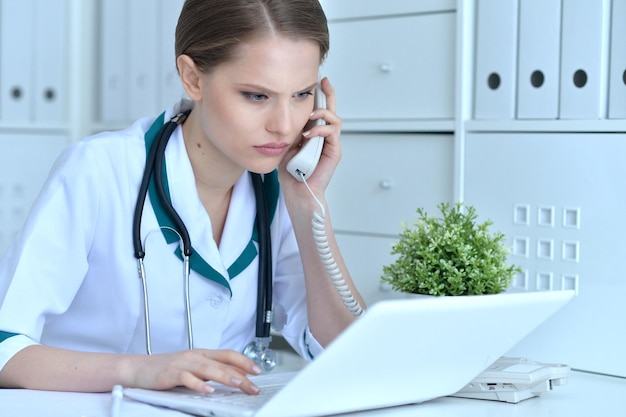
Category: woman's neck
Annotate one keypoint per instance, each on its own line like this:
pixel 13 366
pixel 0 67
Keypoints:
pixel 214 176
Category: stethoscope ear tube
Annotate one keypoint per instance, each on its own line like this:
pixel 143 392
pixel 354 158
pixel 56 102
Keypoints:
pixel 155 158
pixel 141 199
pixel 179 225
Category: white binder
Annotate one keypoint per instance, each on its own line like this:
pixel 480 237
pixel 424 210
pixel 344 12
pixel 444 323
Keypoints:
pixel 16 55
pixel 113 61
pixel 50 48
pixel 584 59
pixel 143 41
pixel 538 59
pixel 496 48
pixel 617 72
pixel 169 84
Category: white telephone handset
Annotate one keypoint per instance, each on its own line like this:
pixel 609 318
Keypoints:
pixel 302 165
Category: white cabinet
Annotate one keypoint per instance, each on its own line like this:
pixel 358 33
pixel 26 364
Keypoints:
pixel 45 96
pixel 552 181
pixel 558 198
pixel 393 68
pixel 33 52
pixel 408 55
pixel 555 187
pixel 365 256
pixel 69 68
pixel 384 177
pixel 394 63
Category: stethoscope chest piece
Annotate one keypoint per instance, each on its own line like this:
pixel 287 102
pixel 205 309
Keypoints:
pixel 260 352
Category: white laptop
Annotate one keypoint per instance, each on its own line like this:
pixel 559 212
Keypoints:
pixel 399 352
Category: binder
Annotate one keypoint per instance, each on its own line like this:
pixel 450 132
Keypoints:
pixel 538 59
pixel 113 61
pixel 584 59
pixel 170 87
pixel 51 56
pixel 617 71
pixel 16 55
pixel 143 41
pixel 496 49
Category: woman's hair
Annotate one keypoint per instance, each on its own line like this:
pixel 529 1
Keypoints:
pixel 208 31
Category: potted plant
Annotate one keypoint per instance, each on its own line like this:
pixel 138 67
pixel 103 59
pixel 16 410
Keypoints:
pixel 450 255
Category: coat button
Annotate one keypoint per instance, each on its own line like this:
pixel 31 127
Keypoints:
pixel 216 302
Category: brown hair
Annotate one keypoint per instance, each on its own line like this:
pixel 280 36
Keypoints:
pixel 209 30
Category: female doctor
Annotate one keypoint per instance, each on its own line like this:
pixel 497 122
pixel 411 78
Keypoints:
pixel 72 315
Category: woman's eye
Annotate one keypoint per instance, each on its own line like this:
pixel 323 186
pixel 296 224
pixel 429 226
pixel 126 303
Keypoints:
pixel 304 94
pixel 255 96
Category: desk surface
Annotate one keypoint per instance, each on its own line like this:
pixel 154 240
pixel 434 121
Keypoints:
pixel 584 395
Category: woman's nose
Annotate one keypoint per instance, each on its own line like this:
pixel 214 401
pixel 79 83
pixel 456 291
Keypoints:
pixel 279 121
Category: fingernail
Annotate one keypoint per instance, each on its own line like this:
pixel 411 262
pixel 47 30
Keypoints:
pixel 256 369
pixel 254 389
pixel 209 389
pixel 236 381
pixel 307 133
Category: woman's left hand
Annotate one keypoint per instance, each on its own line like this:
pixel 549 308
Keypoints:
pixel 331 152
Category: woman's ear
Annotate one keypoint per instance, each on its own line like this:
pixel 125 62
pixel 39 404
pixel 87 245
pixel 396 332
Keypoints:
pixel 190 77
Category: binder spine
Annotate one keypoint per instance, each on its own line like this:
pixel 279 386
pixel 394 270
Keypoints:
pixel 496 51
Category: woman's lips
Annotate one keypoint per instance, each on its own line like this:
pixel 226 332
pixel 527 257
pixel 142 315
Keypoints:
pixel 272 149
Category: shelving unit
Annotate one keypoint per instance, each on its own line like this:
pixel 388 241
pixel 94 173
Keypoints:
pixel 47 50
pixel 75 56
pixel 554 187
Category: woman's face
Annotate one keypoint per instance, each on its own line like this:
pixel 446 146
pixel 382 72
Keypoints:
pixel 255 106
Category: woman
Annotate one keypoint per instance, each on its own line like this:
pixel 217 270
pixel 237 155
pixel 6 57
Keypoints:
pixel 72 316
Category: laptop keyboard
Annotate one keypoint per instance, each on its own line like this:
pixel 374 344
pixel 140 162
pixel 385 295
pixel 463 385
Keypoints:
pixel 239 398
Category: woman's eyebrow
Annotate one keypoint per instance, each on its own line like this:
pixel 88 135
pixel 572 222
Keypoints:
pixel 257 87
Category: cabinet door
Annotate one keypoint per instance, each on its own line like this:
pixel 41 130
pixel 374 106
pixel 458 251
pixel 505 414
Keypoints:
pixel 560 199
pixel 24 164
pixel 365 257
pixel 383 178
pixel 399 68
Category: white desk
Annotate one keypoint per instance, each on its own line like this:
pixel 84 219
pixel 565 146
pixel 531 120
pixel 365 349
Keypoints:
pixel 584 395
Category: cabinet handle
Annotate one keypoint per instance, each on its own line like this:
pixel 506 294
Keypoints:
pixel 386 184
pixel 580 78
pixel 385 67
pixel 49 94
pixel 17 93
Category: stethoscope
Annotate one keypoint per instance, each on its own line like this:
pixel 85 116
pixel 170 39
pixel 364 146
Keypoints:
pixel 258 350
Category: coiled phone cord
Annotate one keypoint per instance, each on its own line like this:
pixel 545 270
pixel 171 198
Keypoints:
pixel 323 248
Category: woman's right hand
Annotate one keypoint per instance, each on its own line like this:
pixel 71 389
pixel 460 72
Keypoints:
pixel 193 368
pixel 49 368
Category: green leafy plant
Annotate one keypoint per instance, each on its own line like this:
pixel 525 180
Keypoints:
pixel 451 255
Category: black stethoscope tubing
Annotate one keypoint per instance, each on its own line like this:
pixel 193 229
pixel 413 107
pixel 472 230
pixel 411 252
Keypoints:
pixel 264 292
pixel 155 158
pixel 154 163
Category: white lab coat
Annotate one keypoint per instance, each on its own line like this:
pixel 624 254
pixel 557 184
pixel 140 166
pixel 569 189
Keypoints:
pixel 70 279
